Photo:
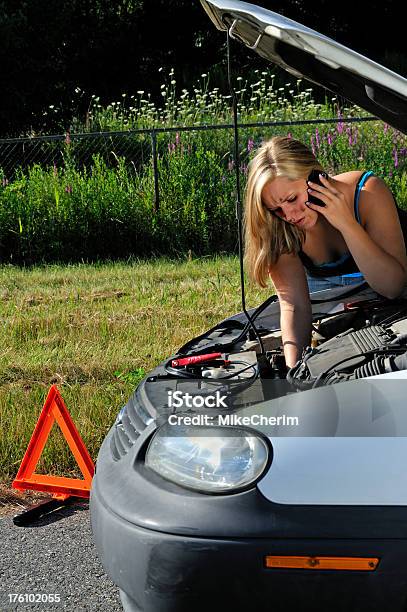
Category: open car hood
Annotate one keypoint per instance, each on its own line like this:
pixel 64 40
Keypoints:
pixel 307 54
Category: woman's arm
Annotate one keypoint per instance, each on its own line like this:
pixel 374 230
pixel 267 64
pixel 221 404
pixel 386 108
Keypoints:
pixel 384 272
pixel 289 280
pixel 377 248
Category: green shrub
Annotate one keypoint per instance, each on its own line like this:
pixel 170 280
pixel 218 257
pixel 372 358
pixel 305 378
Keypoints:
pixel 105 206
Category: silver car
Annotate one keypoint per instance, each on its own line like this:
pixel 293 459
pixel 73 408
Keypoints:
pixel 228 483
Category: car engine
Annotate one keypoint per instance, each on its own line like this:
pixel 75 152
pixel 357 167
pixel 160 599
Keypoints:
pixel 368 339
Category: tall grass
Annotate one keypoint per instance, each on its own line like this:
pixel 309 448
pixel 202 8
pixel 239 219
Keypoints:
pixel 94 331
pixel 261 100
pixel 105 208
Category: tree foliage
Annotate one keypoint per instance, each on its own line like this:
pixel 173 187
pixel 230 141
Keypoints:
pixel 105 48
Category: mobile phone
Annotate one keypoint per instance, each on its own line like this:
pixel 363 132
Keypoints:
pixel 314 178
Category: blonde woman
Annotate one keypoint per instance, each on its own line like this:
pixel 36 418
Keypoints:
pixel 353 234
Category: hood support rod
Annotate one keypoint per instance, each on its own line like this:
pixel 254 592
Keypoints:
pixel 238 192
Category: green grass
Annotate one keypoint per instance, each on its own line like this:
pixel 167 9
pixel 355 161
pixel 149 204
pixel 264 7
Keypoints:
pixel 95 330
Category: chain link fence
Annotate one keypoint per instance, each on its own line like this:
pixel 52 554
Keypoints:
pixel 21 153
pixel 136 147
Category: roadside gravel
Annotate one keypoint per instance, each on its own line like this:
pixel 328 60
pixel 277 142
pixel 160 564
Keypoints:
pixel 55 555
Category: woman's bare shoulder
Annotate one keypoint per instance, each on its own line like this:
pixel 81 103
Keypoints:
pixel 351 177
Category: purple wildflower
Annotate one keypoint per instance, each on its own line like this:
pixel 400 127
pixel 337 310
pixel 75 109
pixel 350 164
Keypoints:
pixel 317 137
pixel 231 165
pixel 243 168
pixel 68 189
pixel 396 158
pixel 385 128
pixel 403 151
pixel 312 145
pixel 289 135
pixel 177 138
pixel 250 144
pixel 390 174
pixel 339 125
pixel 329 138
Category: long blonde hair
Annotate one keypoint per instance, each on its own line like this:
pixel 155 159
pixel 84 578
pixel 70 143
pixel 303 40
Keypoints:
pixel 266 235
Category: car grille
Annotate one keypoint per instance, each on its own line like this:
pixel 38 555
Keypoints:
pixel 130 423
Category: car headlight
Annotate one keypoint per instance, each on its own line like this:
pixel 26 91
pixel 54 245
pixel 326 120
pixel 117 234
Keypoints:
pixel 209 459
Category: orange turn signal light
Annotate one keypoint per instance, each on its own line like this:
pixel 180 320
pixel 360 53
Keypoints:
pixel 366 564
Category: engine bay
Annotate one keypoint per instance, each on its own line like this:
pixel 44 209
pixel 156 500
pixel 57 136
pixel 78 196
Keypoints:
pixel 360 339
pixel 237 368
pixel 374 342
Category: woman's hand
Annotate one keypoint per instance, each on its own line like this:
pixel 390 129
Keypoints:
pixel 337 209
pixel 377 246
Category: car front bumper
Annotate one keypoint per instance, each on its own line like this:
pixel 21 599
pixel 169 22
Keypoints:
pixel 161 572
pixel 172 550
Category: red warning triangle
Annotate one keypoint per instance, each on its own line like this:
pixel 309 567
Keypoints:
pixel 55 410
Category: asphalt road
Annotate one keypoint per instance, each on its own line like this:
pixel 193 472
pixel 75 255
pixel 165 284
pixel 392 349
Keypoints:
pixel 55 555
